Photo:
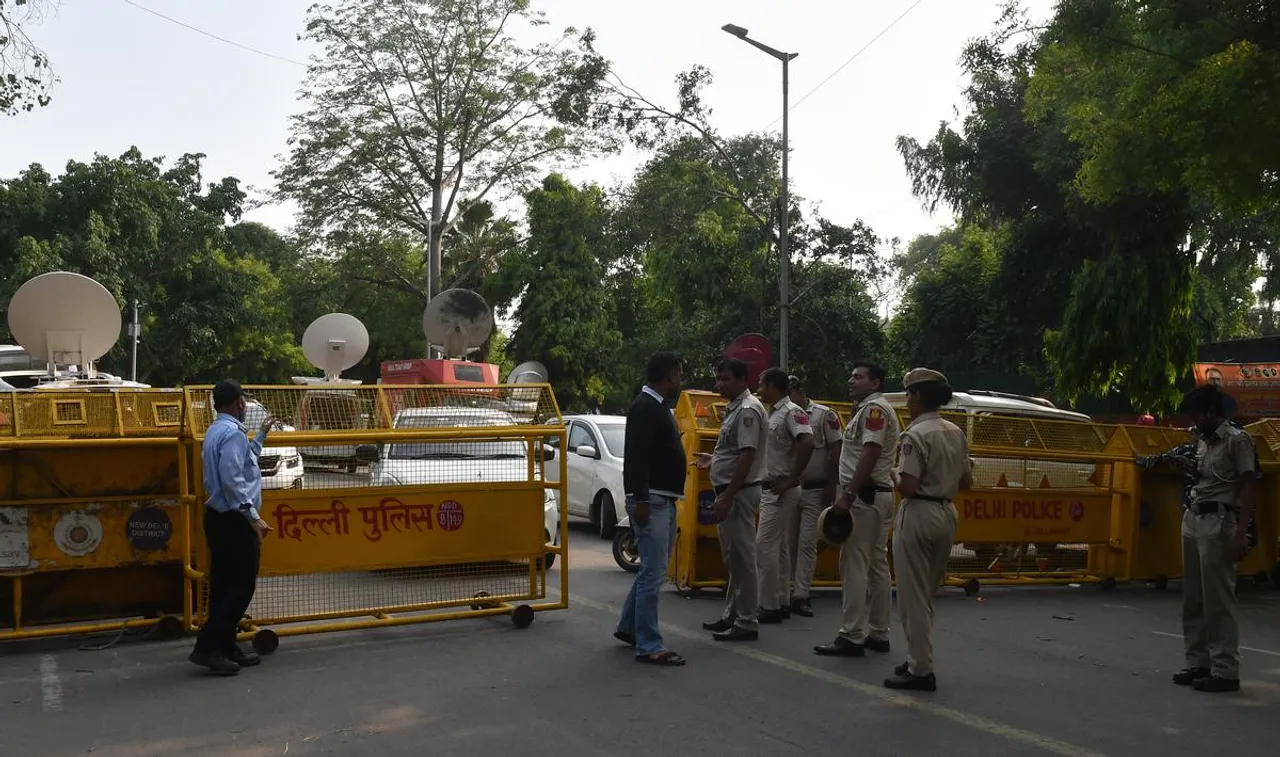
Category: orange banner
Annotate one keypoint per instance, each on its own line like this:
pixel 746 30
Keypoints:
pixel 1254 386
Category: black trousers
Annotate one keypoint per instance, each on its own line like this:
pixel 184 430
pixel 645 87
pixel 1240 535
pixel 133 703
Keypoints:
pixel 234 552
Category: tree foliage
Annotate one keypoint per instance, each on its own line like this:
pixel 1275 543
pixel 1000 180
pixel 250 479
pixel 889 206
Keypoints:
pixel 1112 254
pixel 26 78
pixel 211 304
pixel 420 110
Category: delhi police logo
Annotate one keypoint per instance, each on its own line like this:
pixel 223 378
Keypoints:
pixel 1077 510
pixel 77 533
pixel 449 515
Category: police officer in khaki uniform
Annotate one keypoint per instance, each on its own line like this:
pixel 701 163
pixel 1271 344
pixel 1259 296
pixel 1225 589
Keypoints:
pixel 1213 539
pixel 817 491
pixel 736 467
pixel 933 467
pixel 788 450
pixel 866 490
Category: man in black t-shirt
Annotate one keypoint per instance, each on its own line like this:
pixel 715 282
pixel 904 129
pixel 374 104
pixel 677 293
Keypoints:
pixel 653 475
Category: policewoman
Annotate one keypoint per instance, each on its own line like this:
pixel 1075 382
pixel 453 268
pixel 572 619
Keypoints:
pixel 933 467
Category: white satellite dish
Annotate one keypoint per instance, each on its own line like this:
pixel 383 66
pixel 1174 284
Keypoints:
pixel 457 321
pixel 531 372
pixel 335 342
pixel 65 319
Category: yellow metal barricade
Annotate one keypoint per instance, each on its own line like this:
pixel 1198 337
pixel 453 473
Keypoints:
pixel 92 512
pixel 1047 494
pixel 417 504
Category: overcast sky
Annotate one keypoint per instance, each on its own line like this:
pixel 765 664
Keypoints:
pixel 131 78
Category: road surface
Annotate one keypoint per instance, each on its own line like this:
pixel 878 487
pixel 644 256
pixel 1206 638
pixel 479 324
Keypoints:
pixel 1056 671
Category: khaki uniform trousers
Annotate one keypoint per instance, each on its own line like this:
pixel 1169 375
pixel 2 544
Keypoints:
pixel 922 539
pixel 864 572
pixel 738 548
pixel 1210 613
pixel 802 540
pixel 773 548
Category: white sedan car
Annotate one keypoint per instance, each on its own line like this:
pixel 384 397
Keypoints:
pixel 432 462
pixel 281 466
pixel 595 444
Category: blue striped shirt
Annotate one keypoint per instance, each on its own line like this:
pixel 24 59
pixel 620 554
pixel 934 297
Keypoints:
pixel 231 474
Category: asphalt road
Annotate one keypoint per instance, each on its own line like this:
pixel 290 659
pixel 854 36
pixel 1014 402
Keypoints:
pixel 1021 672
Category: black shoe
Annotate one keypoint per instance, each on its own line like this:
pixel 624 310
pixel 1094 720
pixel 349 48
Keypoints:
pixel 1216 684
pixel 216 663
pixel 909 682
pixel 719 626
pixel 902 669
pixel 802 607
pixel 244 659
pixel 769 617
pixel 736 634
pixel 841 647
pixel 1188 676
pixel 877 645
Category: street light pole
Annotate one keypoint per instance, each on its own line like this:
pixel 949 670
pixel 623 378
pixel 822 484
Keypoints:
pixel 784 258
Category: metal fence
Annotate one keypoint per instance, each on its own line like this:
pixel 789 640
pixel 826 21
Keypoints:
pixel 409 504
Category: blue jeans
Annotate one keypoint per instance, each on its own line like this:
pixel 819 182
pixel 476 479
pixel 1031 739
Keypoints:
pixel 653 540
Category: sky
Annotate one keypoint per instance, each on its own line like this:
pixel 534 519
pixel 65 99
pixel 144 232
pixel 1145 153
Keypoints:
pixel 131 78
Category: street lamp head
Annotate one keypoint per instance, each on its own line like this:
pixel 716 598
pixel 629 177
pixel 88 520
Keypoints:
pixel 736 31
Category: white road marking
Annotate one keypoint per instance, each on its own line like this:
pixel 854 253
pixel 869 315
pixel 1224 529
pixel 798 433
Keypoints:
pixel 919 703
pixel 50 684
pixel 1247 649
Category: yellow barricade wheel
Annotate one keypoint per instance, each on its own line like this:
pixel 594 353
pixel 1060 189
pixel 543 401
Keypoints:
pixel 265 641
pixel 522 616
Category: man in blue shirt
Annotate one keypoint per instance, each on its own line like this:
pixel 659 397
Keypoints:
pixel 233 528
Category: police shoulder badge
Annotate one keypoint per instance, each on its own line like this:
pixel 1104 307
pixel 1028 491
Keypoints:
pixel 875 419
pixel 908 448
pixel 833 422
pixel 748 420
pixel 801 417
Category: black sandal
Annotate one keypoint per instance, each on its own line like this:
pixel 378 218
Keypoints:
pixel 625 638
pixel 666 658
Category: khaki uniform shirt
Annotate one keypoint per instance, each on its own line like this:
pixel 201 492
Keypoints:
pixel 1224 463
pixel 826 431
pixel 743 428
pixel 935 452
pixel 787 423
pixel 874 422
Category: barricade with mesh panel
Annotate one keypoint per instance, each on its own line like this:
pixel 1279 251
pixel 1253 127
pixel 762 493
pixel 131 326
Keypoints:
pixel 413 504
pixel 1045 498
pixel 93 518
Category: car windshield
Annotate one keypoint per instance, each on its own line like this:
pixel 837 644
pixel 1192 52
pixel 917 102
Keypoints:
pixel 456 450
pixel 614 438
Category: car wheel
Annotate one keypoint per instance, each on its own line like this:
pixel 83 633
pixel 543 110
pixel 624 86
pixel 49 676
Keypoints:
pixel 606 515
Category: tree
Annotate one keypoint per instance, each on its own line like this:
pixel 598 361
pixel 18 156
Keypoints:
pixel 1167 96
pixel 26 79
pixel 420 110
pixel 210 309
pixel 566 319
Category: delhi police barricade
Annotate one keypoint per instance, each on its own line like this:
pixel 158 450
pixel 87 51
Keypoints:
pixel 416 504
pixel 1049 504
pixel 94 527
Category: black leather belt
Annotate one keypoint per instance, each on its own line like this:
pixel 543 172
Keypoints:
pixel 939 500
pixel 725 487
pixel 1208 508
pixel 807 485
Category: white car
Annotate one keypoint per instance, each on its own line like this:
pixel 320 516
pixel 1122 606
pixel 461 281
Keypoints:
pixel 281 466
pixel 595 446
pixel 432 462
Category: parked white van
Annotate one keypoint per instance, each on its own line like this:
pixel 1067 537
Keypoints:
pixel 992 419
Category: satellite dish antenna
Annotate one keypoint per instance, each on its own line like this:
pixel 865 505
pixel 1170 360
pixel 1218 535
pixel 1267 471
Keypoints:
pixel 65 319
pixel 531 372
pixel 335 342
pixel 755 351
pixel 457 321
